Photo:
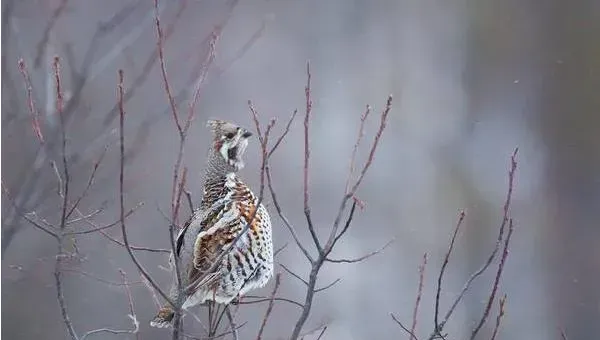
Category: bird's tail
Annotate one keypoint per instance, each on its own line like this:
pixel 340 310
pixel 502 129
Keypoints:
pixel 163 318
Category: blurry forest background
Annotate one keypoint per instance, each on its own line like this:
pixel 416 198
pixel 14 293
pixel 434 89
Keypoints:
pixel 471 81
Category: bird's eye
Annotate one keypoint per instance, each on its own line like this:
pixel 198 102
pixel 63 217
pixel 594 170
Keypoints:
pixel 230 135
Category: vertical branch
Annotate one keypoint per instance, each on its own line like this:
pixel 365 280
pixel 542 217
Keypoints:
pixel 443 269
pixel 35 114
pixel 132 315
pixel 163 68
pixel 120 90
pixel 64 183
pixel 499 317
pixel 270 307
pixel 419 295
pixel 361 132
pixel 492 296
pixel 307 92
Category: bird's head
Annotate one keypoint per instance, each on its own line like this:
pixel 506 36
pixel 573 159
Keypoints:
pixel 228 145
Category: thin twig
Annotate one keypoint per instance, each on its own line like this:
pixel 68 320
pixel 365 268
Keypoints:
pixel 122 198
pixel 293 274
pixel 234 332
pixel 361 132
pixel 285 132
pixel 322 332
pixel 490 301
pixel 362 258
pixel 95 229
pixel 269 307
pixel 35 114
pixel 488 262
pixel 31 221
pixel 329 285
pixel 461 218
pixel 96 278
pixel 163 68
pixel 65 192
pixel 403 327
pixel 286 222
pixel 89 183
pixel 132 315
pixel 499 317
pixel 419 295
pixel 265 299
pixel 307 116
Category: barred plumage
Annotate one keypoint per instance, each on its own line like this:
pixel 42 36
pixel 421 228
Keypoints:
pixel 227 207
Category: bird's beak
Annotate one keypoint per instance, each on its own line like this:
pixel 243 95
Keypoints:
pixel 247 134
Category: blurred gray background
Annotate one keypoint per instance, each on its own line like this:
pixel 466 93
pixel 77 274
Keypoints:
pixel 471 80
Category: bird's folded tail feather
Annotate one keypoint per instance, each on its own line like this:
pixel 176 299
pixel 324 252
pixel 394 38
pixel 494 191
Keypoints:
pixel 163 318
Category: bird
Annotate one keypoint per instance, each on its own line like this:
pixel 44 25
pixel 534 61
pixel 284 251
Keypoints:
pixel 221 257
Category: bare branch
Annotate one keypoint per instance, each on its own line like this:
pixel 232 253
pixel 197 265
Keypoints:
pixel 404 327
pixel 31 221
pixel 480 271
pixel 95 278
pixel 121 195
pixel 265 299
pixel 293 274
pixel 361 132
pixel 307 92
pixel 234 332
pixel 461 218
pixel 490 301
pixel 270 306
pixel 151 290
pixel 329 285
pixel 382 124
pixel 95 229
pixel 499 317
pixel 286 222
pixel 322 332
pixel 362 258
pixel 132 315
pixel 419 295
pixel 35 114
pixel 163 68
pixel 89 183
pixel 285 132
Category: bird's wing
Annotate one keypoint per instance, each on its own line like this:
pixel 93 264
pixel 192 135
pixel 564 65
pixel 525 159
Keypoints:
pixel 220 228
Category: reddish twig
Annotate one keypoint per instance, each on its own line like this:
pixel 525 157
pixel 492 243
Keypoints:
pixel 35 114
pixel 121 194
pixel 64 183
pixel 269 307
pixel 361 132
pixel 419 295
pixel 488 262
pixel 163 68
pixel 461 218
pixel 499 317
pixel 285 132
pixel 490 301
pixel 307 92
pixel 89 183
